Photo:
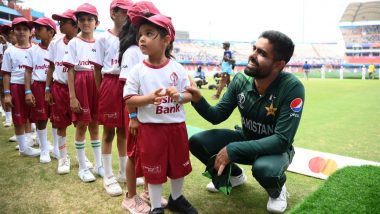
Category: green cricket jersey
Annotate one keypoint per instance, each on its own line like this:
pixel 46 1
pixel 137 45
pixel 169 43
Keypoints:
pixel 269 122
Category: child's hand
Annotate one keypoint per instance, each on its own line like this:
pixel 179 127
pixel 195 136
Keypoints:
pixel 30 100
pixel 173 93
pixel 8 101
pixel 133 125
pixel 49 98
pixel 156 96
pixel 75 105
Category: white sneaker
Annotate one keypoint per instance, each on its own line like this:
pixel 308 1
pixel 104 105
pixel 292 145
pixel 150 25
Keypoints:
pixel 89 164
pixel 63 165
pixel 17 147
pixel 30 152
pixel 86 176
pixel 13 139
pixel 121 178
pixel 112 186
pixel 55 155
pixel 45 157
pixel 30 142
pixel 235 181
pixel 99 171
pixel 278 205
pixel 7 124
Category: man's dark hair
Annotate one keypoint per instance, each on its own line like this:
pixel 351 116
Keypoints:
pixel 283 46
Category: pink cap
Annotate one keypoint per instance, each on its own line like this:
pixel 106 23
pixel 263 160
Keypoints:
pixel 44 21
pixel 68 14
pixel 158 19
pixel 142 8
pixel 19 20
pixel 123 4
pixel 6 27
pixel 87 8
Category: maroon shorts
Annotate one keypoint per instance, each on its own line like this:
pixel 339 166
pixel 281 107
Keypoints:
pixel 20 111
pixel 87 95
pixel 131 139
pixel 41 111
pixel 60 110
pixel 162 151
pixel 110 109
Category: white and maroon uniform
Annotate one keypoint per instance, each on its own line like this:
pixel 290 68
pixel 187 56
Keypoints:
pixel 14 61
pixel 131 57
pixel 60 110
pixel 78 55
pixel 162 134
pixel 110 109
pixel 37 62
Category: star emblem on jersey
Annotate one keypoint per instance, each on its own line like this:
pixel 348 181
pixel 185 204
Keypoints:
pixel 271 110
pixel 241 100
pixel 174 79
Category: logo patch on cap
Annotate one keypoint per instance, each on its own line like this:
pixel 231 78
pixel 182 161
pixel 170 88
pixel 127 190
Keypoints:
pixel 296 105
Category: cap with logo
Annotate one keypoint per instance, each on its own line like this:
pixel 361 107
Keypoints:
pixel 44 21
pixel 158 19
pixel 19 20
pixel 87 8
pixel 68 14
pixel 142 8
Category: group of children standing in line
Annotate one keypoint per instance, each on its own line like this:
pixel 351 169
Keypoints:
pixel 124 80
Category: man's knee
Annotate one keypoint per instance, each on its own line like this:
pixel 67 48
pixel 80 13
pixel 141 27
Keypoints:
pixel 195 143
pixel 264 170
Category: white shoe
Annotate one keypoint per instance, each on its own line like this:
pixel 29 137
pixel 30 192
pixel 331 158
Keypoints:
pixel 121 178
pixel 86 176
pixel 55 155
pixel 99 171
pixel 63 165
pixel 13 139
pixel 235 181
pixel 278 205
pixel 112 186
pixel 45 157
pixel 30 152
pixel 17 147
pixel 89 164
pixel 7 124
pixel 30 142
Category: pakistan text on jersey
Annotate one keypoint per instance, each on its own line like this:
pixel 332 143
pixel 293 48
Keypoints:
pixel 257 127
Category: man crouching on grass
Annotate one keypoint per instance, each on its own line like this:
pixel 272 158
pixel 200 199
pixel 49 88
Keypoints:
pixel 270 103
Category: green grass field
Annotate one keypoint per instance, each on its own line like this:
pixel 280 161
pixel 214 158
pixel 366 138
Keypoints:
pixel 340 116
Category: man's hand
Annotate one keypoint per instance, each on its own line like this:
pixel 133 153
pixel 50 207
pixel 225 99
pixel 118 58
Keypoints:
pixel 221 160
pixel 49 98
pixel 195 92
pixel 133 125
pixel 30 100
pixel 75 105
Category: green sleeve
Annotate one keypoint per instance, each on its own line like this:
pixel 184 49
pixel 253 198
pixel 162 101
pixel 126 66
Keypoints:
pixel 221 111
pixel 285 129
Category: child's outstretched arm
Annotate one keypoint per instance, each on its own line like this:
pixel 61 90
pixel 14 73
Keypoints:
pixel 152 98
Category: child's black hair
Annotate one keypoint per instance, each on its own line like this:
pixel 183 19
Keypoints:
pixel 127 37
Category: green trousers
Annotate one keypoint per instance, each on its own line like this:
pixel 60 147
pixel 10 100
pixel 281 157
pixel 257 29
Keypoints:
pixel 268 170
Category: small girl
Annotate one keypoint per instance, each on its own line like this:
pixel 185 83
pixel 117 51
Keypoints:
pixel 157 88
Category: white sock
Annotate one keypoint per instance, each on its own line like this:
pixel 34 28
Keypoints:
pixel 55 140
pixel 176 187
pixel 155 192
pixel 122 165
pixel 42 135
pixel 79 147
pixel 62 147
pixel 8 116
pixel 97 152
pixel 28 136
pixel 107 164
pixel 33 126
pixel 21 142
